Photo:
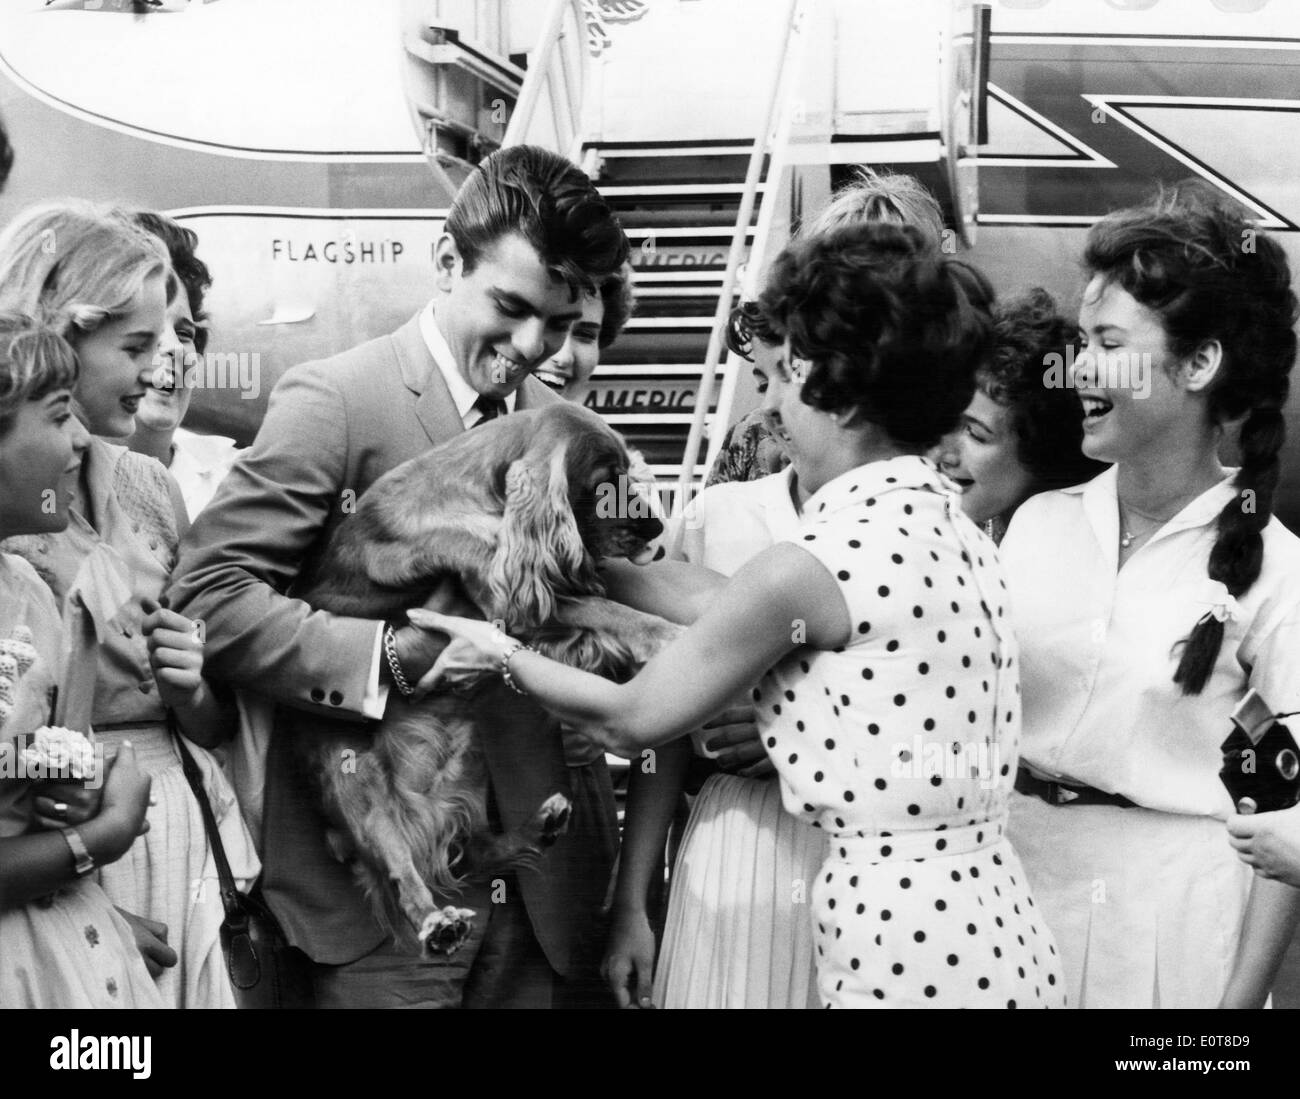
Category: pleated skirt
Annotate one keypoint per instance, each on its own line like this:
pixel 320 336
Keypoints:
pixel 1146 907
pixel 739 931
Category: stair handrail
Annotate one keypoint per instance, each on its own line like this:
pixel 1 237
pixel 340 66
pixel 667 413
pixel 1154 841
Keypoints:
pixel 541 62
pixel 767 214
pixel 795 13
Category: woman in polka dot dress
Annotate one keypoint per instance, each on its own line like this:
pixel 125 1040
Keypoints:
pixel 891 707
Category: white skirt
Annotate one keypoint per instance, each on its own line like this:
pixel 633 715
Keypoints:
pixel 1146 907
pixel 739 930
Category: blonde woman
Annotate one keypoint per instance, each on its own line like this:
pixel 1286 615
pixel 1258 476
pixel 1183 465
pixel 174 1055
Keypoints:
pixel 104 284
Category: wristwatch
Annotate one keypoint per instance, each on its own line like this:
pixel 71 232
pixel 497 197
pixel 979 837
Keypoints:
pixel 83 861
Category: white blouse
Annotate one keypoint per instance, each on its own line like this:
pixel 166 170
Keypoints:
pixel 730 523
pixel 1099 645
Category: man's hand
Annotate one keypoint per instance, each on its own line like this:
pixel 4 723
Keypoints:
pixel 418 648
pixel 151 940
pixel 1269 842
pixel 734 739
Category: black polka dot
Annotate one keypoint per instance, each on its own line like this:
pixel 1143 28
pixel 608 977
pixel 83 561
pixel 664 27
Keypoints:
pixel 771 742
pixel 891 646
pixel 885 852
pixel 983 982
pixel 881 784
pixel 794 757
pixel 917 612
pixel 942 637
pixel 914 810
pixel 906 883
pixel 867 673
pixel 830 745
pixel 919 936
pixel 900 699
pixel 929 724
pixel 923 668
pixel 810 537
pixel 952 959
pixel 818 776
pixel 873 728
pixel 883 590
pixel 848 795
pixel 931 991
pixel 854 544
pixel 897 969
pixel 864 627
pixel 843 574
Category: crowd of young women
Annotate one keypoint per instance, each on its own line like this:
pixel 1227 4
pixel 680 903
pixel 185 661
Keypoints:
pixel 944 773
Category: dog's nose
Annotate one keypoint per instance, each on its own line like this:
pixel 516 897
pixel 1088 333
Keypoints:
pixel 649 528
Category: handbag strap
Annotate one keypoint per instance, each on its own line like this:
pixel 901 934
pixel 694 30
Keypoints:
pixel 226 880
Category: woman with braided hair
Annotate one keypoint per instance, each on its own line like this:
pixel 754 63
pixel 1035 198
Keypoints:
pixel 1147 602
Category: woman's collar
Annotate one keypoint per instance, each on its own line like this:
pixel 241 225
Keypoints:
pixel 871 480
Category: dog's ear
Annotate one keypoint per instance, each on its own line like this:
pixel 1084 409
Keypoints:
pixel 539 549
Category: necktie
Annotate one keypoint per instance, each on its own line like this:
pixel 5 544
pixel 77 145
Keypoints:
pixel 489 408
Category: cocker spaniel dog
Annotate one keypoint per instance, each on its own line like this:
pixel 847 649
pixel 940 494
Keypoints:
pixel 519 511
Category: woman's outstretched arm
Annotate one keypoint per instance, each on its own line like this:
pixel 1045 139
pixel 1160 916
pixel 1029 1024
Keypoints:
pixel 675 590
pixel 782 599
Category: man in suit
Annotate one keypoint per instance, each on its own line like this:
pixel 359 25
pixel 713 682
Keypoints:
pixel 526 233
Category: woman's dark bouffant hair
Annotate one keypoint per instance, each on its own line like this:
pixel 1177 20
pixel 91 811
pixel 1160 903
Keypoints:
pixel 891 327
pixel 1212 277
pixel 532 191
pixel 191 271
pixel 1046 421
pixel 745 325
pixel 618 298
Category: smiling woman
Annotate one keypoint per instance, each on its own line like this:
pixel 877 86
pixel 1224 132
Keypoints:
pixel 1019 435
pixel 1148 602
pixel 103 283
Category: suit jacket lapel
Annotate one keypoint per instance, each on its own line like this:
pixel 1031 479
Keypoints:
pixel 435 409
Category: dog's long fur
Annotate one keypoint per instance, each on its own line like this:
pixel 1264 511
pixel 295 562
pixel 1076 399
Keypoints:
pixel 512 510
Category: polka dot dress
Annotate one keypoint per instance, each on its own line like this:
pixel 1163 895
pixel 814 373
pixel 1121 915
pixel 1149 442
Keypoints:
pixel 902 745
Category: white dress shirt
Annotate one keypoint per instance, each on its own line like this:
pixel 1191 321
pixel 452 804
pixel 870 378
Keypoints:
pixel 199 465
pixel 1099 646
pixel 462 393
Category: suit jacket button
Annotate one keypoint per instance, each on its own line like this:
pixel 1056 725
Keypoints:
pixel 317 694
pixel 336 698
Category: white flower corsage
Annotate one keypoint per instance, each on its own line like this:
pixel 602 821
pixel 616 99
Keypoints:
pixel 1223 607
pixel 63 752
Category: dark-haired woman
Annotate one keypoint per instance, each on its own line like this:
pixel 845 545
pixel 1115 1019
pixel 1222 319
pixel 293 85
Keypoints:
pixel 1147 602
pixel 198 463
pixel 1022 431
pixel 888 680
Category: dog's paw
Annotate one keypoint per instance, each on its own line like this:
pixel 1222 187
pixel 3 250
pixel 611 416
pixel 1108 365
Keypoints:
pixel 445 930
pixel 553 818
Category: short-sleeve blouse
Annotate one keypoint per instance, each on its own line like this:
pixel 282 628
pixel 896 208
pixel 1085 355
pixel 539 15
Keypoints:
pixel 1101 644
pixel 913 724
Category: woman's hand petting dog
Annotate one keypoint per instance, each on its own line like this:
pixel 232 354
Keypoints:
pixel 475 650
pixel 419 647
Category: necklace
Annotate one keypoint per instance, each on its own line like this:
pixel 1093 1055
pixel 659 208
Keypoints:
pixel 1127 537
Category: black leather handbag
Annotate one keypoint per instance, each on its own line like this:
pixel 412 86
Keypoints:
pixel 265 971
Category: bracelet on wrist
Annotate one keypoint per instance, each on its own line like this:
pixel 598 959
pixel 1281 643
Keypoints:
pixel 513 648
pixel 395 665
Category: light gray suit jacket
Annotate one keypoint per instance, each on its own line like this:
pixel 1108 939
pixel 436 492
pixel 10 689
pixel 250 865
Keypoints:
pixel 332 428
